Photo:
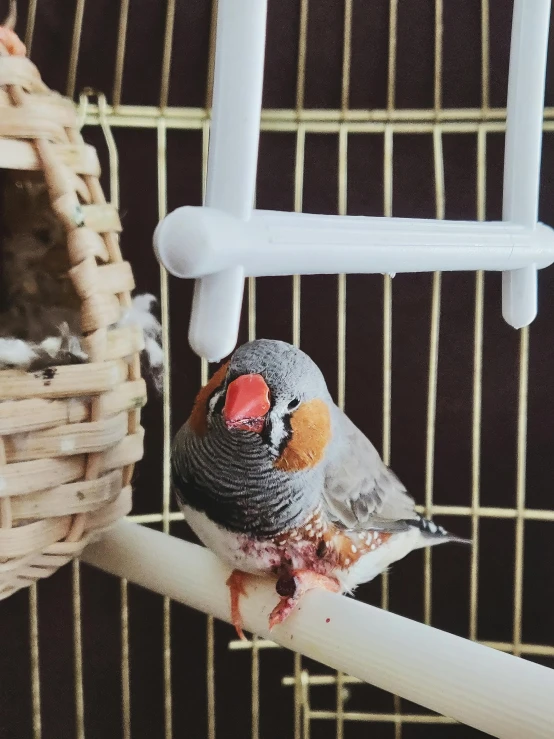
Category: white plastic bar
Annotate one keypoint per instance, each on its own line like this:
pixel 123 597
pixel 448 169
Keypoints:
pixel 530 27
pixel 192 242
pixel 505 696
pixel 232 163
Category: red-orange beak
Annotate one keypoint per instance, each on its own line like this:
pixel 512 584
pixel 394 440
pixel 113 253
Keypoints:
pixel 246 403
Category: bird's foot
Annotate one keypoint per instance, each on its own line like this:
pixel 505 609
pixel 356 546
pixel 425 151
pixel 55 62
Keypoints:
pixel 235 583
pixel 292 586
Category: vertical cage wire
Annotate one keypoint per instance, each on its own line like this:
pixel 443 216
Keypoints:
pixel 342 209
pixel 520 486
pixel 438 159
pixel 75 48
pixel 33 590
pixel 167 55
pixel 76 575
pixel 125 661
pixel 255 691
pixel 78 653
pixel 388 151
pixel 478 333
pixel 124 585
pixel 255 655
pixel 166 346
pixel 301 691
pixel 124 590
pixel 114 177
pixel 120 53
pixel 35 664
pixel 166 489
pixel 30 26
pixel 477 397
pixel 300 152
pixel 204 376
pixel 438 163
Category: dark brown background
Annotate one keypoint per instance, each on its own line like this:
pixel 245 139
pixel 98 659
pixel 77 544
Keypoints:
pixel 413 196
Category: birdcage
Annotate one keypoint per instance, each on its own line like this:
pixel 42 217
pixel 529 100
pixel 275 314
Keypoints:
pixel 374 109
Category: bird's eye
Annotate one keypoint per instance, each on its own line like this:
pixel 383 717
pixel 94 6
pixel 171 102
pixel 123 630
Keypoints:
pixel 293 404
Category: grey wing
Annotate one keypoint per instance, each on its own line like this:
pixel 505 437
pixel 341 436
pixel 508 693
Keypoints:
pixel 360 490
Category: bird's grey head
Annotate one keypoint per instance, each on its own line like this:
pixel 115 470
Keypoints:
pixel 266 382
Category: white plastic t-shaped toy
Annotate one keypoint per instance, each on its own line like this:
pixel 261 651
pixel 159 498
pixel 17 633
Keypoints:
pixel 225 241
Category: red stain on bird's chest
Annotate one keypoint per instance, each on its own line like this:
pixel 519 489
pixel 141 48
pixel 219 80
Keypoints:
pixel 316 545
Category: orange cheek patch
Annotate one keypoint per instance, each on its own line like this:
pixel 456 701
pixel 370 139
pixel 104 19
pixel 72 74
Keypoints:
pixel 198 419
pixel 311 431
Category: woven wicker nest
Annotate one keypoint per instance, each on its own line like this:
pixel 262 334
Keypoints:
pixel 69 434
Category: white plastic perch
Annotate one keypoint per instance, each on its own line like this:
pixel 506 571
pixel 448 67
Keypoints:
pixel 232 159
pixel 276 243
pixel 316 244
pixel 505 696
pixel 522 158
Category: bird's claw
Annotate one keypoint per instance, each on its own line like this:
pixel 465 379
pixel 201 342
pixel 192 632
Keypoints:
pixel 292 586
pixel 235 583
pixel 281 611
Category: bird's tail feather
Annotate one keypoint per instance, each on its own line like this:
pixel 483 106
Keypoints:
pixel 433 534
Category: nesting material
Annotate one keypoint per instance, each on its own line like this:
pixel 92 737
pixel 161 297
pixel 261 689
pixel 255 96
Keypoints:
pixel 141 314
pixel 40 323
pixel 71 336
pixel 67 347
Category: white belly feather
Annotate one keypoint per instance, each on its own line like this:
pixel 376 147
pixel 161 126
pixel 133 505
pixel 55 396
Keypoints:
pixel 234 549
pixel 258 557
pixel 374 563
